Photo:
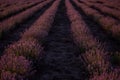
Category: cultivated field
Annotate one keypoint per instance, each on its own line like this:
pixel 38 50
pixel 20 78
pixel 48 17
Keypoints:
pixel 59 40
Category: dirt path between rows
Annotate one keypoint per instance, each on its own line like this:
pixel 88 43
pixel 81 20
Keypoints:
pixel 60 61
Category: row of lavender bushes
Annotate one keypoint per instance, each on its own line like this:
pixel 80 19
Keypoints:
pixel 114 4
pixel 108 4
pixel 107 23
pixel 16 9
pixel 111 4
pixel 18 59
pixel 11 23
pixel 5 3
pixel 9 3
pixel 113 12
pixel 92 53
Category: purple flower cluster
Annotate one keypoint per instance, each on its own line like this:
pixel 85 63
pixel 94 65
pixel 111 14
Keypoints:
pixel 6 75
pixel 27 48
pixel 15 65
pixel 95 61
pixel 107 76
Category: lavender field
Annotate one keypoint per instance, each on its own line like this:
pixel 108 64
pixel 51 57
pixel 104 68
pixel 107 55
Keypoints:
pixel 59 40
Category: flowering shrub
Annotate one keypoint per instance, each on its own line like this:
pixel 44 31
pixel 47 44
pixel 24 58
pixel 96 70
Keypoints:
pixel 27 48
pixel 95 60
pixel 15 64
pixel 107 76
pixel 6 75
pixel 107 22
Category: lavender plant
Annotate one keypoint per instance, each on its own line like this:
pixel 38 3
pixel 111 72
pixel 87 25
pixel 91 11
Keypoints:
pixel 17 65
pixel 27 48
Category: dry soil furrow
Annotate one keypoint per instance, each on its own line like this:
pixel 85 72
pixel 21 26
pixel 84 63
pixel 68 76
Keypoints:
pixel 60 61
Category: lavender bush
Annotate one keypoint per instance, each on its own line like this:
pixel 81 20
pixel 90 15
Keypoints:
pixel 15 65
pixel 27 48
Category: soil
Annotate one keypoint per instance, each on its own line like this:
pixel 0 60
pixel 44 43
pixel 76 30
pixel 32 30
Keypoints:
pixel 60 61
